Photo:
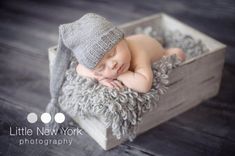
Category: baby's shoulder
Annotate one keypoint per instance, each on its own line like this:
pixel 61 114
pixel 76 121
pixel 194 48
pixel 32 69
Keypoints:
pixel 139 56
pixel 134 42
pixel 140 45
pixel 141 42
pixel 138 37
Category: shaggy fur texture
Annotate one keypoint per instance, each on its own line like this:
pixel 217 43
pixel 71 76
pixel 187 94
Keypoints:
pixel 124 109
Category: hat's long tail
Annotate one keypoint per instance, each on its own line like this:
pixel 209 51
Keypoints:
pixel 59 68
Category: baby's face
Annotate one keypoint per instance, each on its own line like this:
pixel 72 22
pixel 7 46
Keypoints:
pixel 114 62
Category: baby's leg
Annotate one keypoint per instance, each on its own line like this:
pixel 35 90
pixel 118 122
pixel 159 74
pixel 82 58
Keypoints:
pixel 179 53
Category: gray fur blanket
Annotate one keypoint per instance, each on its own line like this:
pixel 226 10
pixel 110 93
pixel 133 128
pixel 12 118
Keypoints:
pixel 124 109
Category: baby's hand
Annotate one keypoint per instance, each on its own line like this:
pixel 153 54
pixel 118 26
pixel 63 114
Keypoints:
pixel 112 83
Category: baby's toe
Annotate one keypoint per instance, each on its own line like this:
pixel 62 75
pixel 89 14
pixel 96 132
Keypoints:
pixel 180 54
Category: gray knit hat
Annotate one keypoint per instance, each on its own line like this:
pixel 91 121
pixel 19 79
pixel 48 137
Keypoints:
pixel 89 38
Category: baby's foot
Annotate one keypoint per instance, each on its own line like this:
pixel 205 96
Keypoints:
pixel 179 53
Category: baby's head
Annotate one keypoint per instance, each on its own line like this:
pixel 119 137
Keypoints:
pixel 115 62
pixel 103 48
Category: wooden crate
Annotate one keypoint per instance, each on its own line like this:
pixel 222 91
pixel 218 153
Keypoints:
pixel 195 80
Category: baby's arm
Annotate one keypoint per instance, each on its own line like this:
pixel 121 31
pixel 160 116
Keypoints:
pixel 83 71
pixel 140 80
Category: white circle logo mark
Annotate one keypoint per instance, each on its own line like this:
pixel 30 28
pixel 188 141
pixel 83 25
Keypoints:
pixel 46 118
pixel 59 117
pixel 32 117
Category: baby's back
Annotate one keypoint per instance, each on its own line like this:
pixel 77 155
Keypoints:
pixel 144 50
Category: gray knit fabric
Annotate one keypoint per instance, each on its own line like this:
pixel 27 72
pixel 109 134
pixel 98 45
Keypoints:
pixel 59 68
pixel 90 38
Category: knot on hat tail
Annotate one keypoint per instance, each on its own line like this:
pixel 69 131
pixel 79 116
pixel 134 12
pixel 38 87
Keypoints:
pixel 52 109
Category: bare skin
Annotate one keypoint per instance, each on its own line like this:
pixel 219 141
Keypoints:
pixel 128 63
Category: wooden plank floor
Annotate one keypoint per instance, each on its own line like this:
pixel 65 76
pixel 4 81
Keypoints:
pixel 29 27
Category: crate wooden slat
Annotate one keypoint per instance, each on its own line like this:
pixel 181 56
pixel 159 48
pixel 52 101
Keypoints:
pixel 194 81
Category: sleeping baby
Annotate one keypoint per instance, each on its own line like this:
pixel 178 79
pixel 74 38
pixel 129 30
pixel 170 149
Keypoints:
pixel 117 61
